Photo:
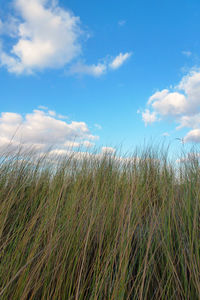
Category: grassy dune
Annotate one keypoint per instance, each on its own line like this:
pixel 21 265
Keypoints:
pixel 99 228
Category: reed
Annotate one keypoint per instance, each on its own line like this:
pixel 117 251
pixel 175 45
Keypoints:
pixel 99 227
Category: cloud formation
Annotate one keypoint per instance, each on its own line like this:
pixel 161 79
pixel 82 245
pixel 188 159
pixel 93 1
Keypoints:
pixel 47 36
pixel 193 136
pixel 119 60
pixel 44 36
pixel 42 130
pixel 148 117
pixel 100 68
pixel 181 105
pixel 94 70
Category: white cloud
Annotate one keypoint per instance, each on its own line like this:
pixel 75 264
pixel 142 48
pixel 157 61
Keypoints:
pixel 74 144
pixel 48 37
pixel 148 117
pixel 167 104
pixel 158 95
pixel 181 104
pixel 42 130
pixel 185 100
pixel 52 113
pixel 119 60
pixel 190 85
pixel 189 121
pixel 94 70
pixel 100 68
pixel 193 136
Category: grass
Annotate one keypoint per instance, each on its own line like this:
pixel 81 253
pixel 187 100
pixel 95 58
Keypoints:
pixel 99 228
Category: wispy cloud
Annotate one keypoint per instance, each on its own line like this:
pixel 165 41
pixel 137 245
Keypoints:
pixel 102 67
pixel 93 70
pixel 119 60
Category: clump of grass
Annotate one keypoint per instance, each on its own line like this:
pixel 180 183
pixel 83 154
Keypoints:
pixel 99 227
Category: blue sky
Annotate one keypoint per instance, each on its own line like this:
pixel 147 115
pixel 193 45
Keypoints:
pixel 103 73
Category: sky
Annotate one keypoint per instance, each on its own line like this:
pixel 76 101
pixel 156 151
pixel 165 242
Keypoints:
pixel 99 73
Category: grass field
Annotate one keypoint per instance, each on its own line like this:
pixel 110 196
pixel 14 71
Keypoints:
pixel 99 227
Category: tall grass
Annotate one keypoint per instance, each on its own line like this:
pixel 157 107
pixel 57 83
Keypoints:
pixel 99 227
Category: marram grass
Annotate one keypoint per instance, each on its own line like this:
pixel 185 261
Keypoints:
pixel 99 228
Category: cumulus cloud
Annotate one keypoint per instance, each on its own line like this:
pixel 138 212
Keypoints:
pixel 166 103
pixel 193 136
pixel 181 104
pixel 148 117
pixel 42 130
pixel 48 37
pixel 119 60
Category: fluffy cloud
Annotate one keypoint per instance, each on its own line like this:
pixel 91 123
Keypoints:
pixel 190 85
pixel 42 130
pixel 48 36
pixel 166 103
pixel 148 117
pixel 119 60
pixel 181 104
pixel 193 136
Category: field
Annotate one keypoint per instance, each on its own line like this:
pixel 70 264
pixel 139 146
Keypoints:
pixel 99 227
